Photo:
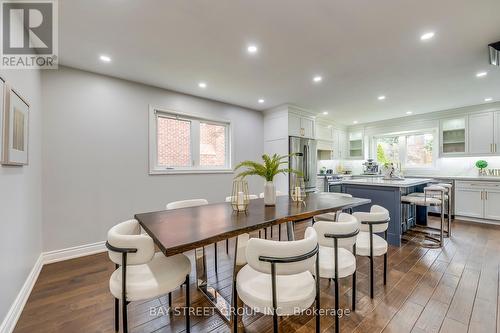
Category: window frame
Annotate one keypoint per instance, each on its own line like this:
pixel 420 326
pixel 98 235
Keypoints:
pixel 403 150
pixel 195 120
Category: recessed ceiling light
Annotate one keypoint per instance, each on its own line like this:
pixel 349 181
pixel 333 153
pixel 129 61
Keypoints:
pixel 202 85
pixel 252 49
pixel 317 79
pixel 261 100
pixel 381 98
pixel 482 74
pixel 105 58
pixel 355 122
pixel 427 36
pixel 488 99
pixel 325 112
pixel 409 112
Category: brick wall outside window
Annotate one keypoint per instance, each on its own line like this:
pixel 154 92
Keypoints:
pixel 174 142
pixel 212 145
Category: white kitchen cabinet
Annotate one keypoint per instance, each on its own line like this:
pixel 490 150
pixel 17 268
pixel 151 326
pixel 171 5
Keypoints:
pixel 324 132
pixel 492 204
pixel 481 133
pixel 300 126
pixel 453 136
pixel 339 144
pixel 478 199
pixel 497 132
pixel 355 143
pixel 469 202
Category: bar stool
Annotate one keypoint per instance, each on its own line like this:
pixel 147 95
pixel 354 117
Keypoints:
pixel 433 195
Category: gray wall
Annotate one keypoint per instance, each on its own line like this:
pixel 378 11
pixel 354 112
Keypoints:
pixel 95 154
pixel 20 199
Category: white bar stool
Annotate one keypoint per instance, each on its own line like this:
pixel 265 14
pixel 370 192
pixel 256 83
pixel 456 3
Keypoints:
pixel 433 195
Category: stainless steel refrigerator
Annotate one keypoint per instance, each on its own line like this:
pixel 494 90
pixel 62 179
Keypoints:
pixel 304 160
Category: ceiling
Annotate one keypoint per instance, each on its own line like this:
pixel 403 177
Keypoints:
pixel 362 49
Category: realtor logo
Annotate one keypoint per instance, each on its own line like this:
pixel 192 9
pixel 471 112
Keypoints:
pixel 29 34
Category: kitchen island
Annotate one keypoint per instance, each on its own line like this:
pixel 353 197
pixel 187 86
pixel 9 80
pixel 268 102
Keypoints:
pixel 387 193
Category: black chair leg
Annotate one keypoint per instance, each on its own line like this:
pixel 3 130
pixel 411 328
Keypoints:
pixel 354 291
pixel 215 256
pixel 279 232
pixel 371 276
pixel 117 314
pixel 188 305
pixel 272 231
pixel 265 233
pixel 337 322
pixel 385 269
pixel 124 316
pixel 227 246
pixel 170 302
pixel 236 308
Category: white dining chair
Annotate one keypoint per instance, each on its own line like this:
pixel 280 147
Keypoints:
pixel 330 216
pixel 278 194
pixel 336 261
pixel 140 273
pixel 229 199
pixel 368 244
pixel 277 279
pixel 193 203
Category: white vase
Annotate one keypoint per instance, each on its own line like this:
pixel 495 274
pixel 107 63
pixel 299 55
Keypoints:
pixel 269 194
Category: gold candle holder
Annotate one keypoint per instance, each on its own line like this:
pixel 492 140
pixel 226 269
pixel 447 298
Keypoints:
pixel 298 189
pixel 239 196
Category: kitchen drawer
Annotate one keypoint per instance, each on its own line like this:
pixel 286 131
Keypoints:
pixel 477 184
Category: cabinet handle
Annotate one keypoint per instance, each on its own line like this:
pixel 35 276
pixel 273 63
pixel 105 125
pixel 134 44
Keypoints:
pixel 482 196
pixel 486 195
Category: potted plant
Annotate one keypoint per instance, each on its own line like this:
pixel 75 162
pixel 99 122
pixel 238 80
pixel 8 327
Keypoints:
pixel 481 165
pixel 271 167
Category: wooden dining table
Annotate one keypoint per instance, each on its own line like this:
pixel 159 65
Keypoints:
pixel 181 230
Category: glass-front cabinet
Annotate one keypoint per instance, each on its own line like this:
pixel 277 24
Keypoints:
pixel 355 145
pixel 453 136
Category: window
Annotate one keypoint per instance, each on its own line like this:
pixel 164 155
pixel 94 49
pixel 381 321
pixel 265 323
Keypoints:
pixel 182 143
pixel 414 150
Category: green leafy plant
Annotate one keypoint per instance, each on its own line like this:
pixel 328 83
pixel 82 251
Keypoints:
pixel 381 158
pixel 271 167
pixel 481 164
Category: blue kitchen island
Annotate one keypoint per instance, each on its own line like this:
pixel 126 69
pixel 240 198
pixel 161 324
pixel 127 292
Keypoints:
pixel 387 193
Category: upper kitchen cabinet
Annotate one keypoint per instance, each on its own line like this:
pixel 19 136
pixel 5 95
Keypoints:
pixel 339 144
pixel 497 132
pixel 355 144
pixel 324 132
pixel 453 136
pixel 299 125
pixel 482 133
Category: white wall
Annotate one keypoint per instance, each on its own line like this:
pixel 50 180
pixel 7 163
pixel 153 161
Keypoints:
pixel 95 167
pixel 20 198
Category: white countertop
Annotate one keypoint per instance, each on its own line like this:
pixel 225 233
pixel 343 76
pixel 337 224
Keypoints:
pixel 407 182
pixel 471 178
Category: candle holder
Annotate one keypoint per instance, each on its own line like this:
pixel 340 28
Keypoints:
pixel 298 189
pixel 239 196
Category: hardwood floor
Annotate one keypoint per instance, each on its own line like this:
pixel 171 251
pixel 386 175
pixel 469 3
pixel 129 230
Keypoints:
pixel 453 289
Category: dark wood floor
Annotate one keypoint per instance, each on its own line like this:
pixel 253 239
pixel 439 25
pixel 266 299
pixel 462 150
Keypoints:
pixel 454 289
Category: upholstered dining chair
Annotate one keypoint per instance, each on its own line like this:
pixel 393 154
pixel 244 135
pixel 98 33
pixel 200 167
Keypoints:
pixel 333 215
pixel 193 203
pixel 140 273
pixel 277 280
pixel 335 260
pixel 368 243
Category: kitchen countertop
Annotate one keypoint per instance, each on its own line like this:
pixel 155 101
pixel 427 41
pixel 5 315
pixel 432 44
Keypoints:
pixel 465 178
pixel 407 182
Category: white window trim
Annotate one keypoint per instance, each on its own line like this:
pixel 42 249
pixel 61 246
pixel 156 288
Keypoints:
pixel 402 152
pixel 154 169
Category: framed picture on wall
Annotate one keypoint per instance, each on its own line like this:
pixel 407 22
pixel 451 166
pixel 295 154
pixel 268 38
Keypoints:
pixel 15 128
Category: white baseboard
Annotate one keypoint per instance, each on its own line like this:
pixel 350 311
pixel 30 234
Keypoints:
pixel 476 220
pixel 73 252
pixel 10 320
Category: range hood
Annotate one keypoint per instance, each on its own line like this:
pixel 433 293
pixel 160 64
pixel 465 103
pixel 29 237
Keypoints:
pixel 494 56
